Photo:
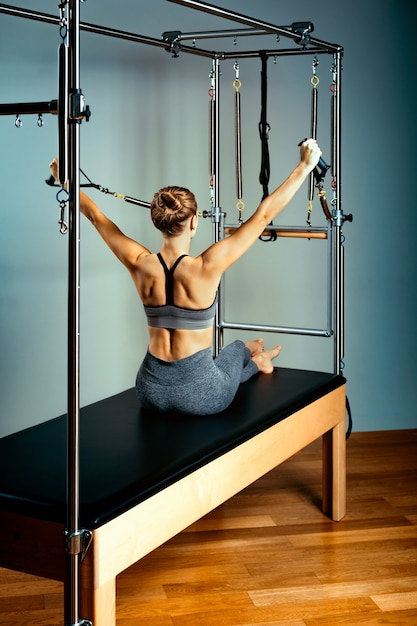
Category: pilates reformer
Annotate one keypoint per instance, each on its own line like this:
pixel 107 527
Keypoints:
pixel 79 528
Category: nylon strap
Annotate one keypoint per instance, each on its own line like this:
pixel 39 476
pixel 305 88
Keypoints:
pixel 264 129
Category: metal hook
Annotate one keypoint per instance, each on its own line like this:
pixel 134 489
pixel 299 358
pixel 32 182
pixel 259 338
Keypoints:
pixel 60 196
pixel 40 120
pixel 18 121
pixel 63 24
pixel 63 226
pixel 63 30
pixel 236 83
pixel 62 203
pixel 315 80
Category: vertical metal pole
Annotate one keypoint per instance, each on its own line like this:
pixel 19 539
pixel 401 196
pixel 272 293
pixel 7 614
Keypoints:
pixel 217 218
pixel 72 556
pixel 338 220
pixel 330 286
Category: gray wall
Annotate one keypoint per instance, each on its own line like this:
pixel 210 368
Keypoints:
pixel 149 128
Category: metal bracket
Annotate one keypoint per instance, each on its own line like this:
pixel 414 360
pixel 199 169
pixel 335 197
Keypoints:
pixel 173 38
pixel 337 217
pixel 340 218
pixel 79 109
pixel 171 35
pixel 83 622
pixel 216 215
pixel 78 542
pixel 303 30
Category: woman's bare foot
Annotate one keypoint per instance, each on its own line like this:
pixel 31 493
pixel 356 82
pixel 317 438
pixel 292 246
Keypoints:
pixel 256 346
pixel 264 359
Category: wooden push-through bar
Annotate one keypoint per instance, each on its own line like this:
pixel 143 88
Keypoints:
pixel 302 233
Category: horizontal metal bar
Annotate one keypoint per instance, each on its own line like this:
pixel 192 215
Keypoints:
pixel 127 36
pixel 284 52
pixel 216 34
pixel 27 108
pixel 29 14
pixel 142 203
pixel 137 38
pixel 276 329
pixel 99 30
pixel 253 22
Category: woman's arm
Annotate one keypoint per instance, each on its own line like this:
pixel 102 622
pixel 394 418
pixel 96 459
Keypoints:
pixel 127 250
pixel 224 253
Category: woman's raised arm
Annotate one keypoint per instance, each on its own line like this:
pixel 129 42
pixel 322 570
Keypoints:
pixel 127 250
pixel 224 253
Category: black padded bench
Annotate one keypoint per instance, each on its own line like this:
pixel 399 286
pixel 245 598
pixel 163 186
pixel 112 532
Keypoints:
pixel 146 477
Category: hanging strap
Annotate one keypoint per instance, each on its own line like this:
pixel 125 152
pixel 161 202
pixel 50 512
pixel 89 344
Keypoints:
pixel 314 102
pixel 240 205
pixel 264 129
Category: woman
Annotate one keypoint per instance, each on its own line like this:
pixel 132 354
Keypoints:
pixel 178 292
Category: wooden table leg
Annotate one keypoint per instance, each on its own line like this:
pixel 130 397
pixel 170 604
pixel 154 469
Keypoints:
pixel 98 604
pixel 334 472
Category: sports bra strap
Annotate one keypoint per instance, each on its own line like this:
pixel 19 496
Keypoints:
pixel 169 277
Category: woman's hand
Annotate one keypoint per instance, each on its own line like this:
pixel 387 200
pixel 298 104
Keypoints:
pixel 53 166
pixel 310 153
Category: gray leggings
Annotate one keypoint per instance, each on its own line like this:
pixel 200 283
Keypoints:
pixel 198 384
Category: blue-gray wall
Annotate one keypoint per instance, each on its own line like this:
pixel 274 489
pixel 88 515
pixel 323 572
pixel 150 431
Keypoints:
pixel 149 128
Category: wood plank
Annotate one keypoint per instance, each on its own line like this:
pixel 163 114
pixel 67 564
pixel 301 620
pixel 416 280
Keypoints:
pixel 370 618
pixel 396 601
pixel 247 521
pixel 336 591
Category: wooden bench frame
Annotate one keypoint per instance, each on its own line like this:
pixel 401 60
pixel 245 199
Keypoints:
pixel 37 547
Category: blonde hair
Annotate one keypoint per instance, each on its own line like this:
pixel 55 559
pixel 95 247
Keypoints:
pixel 170 207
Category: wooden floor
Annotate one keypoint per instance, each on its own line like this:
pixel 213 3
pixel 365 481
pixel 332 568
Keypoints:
pixel 268 556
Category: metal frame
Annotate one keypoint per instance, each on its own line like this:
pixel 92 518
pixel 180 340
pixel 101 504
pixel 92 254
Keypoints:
pixel 76 539
pixel 335 279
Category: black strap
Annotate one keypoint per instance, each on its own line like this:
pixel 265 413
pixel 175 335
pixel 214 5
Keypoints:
pixel 169 277
pixel 350 423
pixel 264 129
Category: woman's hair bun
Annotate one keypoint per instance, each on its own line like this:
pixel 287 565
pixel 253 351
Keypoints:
pixel 168 201
pixel 170 207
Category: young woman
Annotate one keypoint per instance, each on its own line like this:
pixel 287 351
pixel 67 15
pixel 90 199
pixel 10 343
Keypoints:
pixel 178 291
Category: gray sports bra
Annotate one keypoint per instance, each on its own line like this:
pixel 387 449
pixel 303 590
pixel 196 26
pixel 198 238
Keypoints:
pixel 174 317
